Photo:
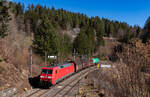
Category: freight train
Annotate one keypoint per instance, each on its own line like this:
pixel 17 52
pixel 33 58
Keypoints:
pixel 53 74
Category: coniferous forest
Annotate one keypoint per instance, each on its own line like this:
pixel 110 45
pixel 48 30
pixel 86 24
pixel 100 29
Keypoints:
pixel 45 24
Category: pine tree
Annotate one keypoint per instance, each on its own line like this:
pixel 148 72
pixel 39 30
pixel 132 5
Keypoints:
pixel 100 31
pixel 46 39
pixel 66 46
pixel 80 43
pixel 146 35
pixel 91 40
pixel 102 27
pixel 138 31
pixel 84 42
pixel 127 37
pixel 111 30
pixel 4 18
pixel 19 9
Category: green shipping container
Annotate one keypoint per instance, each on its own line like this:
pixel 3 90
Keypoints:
pixel 95 60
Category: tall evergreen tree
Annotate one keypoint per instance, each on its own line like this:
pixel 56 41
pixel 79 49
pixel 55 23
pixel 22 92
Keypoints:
pixel 66 46
pixel 4 18
pixel 91 40
pixel 80 43
pixel 146 36
pixel 112 30
pixel 138 31
pixel 84 42
pixel 102 27
pixel 46 39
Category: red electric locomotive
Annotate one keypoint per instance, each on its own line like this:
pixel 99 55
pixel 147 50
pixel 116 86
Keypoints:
pixel 52 75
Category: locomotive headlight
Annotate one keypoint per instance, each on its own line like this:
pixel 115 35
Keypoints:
pixel 49 77
pixel 42 76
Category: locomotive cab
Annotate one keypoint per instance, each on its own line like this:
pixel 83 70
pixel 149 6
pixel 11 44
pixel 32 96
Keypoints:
pixel 54 74
pixel 46 76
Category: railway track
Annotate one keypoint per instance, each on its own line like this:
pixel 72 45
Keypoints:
pixel 67 92
pixel 74 85
pixel 63 88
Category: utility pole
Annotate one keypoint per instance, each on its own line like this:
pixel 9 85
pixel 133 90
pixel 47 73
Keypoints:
pixel 74 54
pixel 45 43
pixel 45 58
pixel 31 61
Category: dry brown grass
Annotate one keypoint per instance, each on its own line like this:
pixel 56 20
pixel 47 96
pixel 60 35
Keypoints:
pixel 122 81
pixel 130 78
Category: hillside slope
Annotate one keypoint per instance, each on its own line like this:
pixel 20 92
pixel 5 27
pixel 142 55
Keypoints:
pixel 14 58
pixel 129 76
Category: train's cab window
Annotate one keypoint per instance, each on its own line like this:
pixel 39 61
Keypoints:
pixel 50 71
pixel 56 71
pixel 61 66
pixel 44 71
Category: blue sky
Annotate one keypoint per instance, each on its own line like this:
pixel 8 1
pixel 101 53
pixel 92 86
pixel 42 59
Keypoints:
pixel 134 12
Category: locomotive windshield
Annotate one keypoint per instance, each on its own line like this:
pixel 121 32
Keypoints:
pixel 47 71
pixel 50 71
pixel 44 71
